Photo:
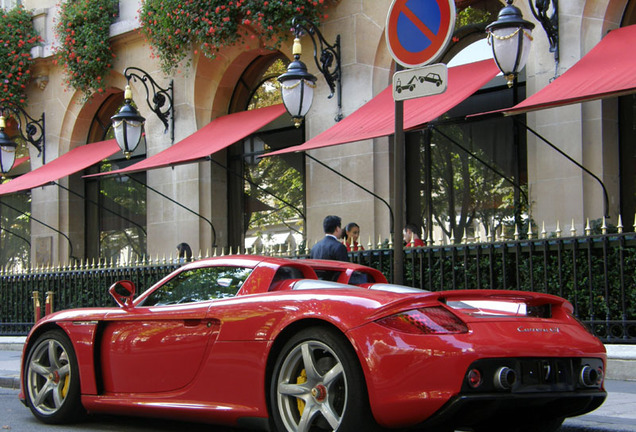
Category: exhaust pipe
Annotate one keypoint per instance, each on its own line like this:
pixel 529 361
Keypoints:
pixel 590 377
pixel 505 378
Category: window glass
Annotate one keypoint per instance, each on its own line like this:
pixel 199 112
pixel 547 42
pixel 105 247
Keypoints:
pixel 198 285
pixel 358 277
pixel 116 206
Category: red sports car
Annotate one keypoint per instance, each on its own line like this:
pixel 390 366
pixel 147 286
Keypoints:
pixel 263 343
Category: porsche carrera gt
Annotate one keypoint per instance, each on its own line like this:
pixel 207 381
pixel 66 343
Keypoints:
pixel 302 345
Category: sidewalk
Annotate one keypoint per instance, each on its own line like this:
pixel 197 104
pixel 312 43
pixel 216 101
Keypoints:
pixel 621 363
pixel 10 355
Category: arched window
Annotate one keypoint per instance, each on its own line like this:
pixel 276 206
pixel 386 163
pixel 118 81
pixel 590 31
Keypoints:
pixel 15 231
pixel 15 225
pixel 115 206
pixel 466 175
pixel 267 196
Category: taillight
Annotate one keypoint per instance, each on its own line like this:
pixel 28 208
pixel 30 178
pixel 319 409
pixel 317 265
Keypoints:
pixel 431 320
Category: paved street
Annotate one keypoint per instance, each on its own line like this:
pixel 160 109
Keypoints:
pixel 617 414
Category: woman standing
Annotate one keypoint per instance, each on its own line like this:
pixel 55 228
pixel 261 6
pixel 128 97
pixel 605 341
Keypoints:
pixel 352 233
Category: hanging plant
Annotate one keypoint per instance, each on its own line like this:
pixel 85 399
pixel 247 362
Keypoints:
pixel 17 37
pixel 175 28
pixel 83 32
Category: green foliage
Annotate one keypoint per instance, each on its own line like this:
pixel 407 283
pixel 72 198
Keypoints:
pixel 273 181
pixel 83 31
pixel 465 190
pixel 128 198
pixel 17 37
pixel 176 28
pixel 280 179
pixel 269 91
pixel 470 15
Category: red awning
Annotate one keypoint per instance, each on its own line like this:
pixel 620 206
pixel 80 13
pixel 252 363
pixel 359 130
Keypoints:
pixel 69 163
pixel 220 133
pixel 609 69
pixel 376 118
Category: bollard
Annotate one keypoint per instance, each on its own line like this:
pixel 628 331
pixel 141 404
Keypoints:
pixel 48 303
pixel 36 306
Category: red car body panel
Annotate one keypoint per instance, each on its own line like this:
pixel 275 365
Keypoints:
pixel 208 361
pixel 437 367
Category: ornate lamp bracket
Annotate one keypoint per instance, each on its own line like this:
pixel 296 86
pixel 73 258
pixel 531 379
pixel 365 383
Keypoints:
pixel 328 61
pixel 33 131
pixel 547 13
pixel 159 99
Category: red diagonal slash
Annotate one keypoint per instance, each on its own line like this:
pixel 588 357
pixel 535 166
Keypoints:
pixel 418 23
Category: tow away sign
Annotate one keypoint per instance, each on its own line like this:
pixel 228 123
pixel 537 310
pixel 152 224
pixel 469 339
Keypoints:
pixel 419 82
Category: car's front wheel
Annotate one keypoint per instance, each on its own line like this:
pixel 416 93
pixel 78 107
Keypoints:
pixel 51 379
pixel 318 385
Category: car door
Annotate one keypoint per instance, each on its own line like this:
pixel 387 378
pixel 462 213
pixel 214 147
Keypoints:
pixel 159 345
pixel 158 349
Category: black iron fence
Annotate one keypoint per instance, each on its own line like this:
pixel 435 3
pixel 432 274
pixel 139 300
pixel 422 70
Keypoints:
pixel 595 273
pixel 84 285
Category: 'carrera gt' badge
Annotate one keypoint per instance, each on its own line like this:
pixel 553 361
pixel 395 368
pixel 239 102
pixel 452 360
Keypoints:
pixel 522 329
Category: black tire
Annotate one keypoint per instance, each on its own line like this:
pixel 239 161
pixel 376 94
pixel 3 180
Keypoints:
pixel 318 385
pixel 51 379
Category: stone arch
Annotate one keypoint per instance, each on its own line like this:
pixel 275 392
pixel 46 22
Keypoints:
pixel 215 79
pixel 78 114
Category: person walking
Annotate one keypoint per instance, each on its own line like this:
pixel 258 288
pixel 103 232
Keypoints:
pixel 330 247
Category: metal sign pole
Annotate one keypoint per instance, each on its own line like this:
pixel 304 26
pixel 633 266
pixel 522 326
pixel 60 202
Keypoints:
pixel 399 165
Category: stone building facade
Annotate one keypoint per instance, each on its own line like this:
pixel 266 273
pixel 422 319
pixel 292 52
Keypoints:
pixel 206 89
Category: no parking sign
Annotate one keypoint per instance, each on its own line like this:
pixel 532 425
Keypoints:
pixel 417 31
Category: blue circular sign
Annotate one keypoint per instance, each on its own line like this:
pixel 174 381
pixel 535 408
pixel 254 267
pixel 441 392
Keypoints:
pixel 417 31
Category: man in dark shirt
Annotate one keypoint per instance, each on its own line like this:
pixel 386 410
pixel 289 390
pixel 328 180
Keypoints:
pixel 330 247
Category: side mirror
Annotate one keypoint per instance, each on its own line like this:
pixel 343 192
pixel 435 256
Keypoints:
pixel 123 292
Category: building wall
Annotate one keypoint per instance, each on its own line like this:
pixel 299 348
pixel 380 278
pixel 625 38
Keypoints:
pixel 558 190
pixel 588 132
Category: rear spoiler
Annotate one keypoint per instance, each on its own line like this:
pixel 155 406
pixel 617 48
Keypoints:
pixel 532 300
pixel 529 298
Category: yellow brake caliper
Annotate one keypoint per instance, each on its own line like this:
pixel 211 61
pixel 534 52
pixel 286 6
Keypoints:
pixel 302 379
pixel 67 382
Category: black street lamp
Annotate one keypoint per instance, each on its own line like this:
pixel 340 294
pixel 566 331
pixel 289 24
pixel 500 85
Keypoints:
pixel 33 134
pixel 297 85
pixel 128 123
pixel 511 38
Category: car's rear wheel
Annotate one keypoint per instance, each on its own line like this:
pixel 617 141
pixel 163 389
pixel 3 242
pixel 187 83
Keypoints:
pixel 51 379
pixel 318 385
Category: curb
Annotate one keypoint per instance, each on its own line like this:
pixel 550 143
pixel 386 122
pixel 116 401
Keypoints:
pixel 11 346
pixel 10 382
